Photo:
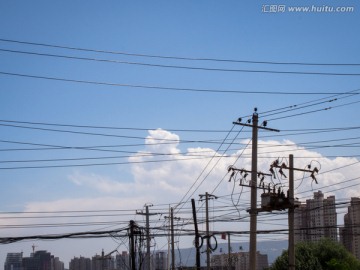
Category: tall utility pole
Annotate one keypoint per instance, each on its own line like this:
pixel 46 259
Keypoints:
pixel 253 194
pixel 172 236
pixel 172 240
pixel 207 197
pixel 229 252
pixel 291 250
pixel 197 244
pixel 132 245
pixel 148 239
pixel 291 215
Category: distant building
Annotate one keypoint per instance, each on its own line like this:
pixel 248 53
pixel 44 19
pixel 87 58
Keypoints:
pixel 97 263
pixel 57 264
pixel 40 260
pixel 238 261
pixel 316 219
pixel 13 261
pixel 160 260
pixel 350 233
pixel 122 261
pixel 81 263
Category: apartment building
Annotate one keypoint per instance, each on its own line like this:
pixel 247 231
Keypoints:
pixel 316 219
pixel 238 261
pixel 350 233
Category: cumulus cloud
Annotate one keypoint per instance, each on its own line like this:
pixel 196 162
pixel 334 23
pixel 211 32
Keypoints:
pixel 162 174
pixel 99 182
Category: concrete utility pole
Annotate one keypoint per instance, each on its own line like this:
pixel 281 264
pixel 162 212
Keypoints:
pixel 172 236
pixel 172 240
pixel 291 250
pixel 207 197
pixel 253 194
pixel 132 245
pixel 229 252
pixel 148 238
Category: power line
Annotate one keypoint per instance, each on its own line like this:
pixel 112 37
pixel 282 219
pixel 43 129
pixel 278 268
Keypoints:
pixel 302 105
pixel 177 57
pixel 101 164
pixel 153 87
pixel 110 127
pixel 181 67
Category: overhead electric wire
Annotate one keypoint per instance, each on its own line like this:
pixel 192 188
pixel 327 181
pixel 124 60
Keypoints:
pixel 305 104
pixel 112 127
pixel 88 234
pixel 153 87
pixel 173 57
pixel 108 135
pixel 201 154
pixel 212 141
pixel 203 171
pixel 181 67
pixel 167 129
pixel 99 164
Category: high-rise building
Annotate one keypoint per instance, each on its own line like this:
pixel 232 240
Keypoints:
pixel 160 260
pixel 350 233
pixel 80 263
pixel 238 261
pixel 122 261
pixel 13 261
pixel 39 260
pixel 57 264
pixel 42 260
pixel 316 219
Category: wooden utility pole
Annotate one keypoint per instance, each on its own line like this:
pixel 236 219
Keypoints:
pixel 197 244
pixel 132 245
pixel 253 194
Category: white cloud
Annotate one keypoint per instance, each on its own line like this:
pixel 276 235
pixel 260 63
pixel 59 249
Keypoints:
pixel 100 183
pixel 161 173
pixel 168 181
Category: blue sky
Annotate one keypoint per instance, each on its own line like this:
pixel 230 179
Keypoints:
pixel 226 30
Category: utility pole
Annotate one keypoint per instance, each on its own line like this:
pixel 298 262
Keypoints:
pixel 291 202
pixel 197 244
pixel 207 197
pixel 148 239
pixel 253 194
pixel 132 245
pixel 172 236
pixel 172 240
pixel 229 252
pixel 291 214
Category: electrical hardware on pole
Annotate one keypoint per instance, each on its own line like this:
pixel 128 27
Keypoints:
pixel 274 203
pixel 208 245
pixel 253 194
pixel 147 214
